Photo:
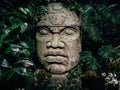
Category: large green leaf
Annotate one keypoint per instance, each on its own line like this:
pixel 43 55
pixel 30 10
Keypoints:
pixel 94 33
pixel 8 50
pixel 20 70
pixel 15 21
pixel 5 64
pixel 107 51
pixel 24 62
pixel 7 75
pixel 12 35
pixel 88 58
pixel 24 44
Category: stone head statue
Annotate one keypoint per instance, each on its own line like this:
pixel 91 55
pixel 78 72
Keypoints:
pixel 58 39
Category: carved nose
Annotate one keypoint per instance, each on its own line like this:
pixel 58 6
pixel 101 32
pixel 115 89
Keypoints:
pixel 55 42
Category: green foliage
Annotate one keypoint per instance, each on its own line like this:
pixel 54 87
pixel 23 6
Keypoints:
pixel 87 58
pixel 100 34
pixel 11 35
pixel 109 52
pixel 75 73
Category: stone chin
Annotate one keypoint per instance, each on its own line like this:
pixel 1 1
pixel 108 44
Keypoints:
pixel 60 68
pixel 56 68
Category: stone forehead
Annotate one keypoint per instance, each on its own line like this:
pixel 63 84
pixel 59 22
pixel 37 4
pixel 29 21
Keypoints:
pixel 58 15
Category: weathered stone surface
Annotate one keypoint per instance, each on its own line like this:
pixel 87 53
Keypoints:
pixel 58 41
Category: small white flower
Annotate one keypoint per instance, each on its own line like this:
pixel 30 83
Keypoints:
pixel 114 75
pixel 110 75
pixel 107 79
pixel 109 82
pixel 114 81
pixel 111 79
pixel 104 74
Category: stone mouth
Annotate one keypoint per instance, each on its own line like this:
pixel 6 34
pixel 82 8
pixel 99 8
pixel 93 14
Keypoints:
pixel 55 54
pixel 55 62
pixel 56 58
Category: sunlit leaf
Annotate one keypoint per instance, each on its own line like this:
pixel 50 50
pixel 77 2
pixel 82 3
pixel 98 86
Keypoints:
pixel 20 70
pixel 25 62
pixel 5 64
pixel 24 44
pixel 23 27
pixel 12 35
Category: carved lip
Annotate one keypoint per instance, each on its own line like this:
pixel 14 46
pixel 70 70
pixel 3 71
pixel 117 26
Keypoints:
pixel 55 54
pixel 56 58
pixel 63 62
pixel 55 62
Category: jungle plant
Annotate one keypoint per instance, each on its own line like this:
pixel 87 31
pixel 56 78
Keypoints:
pixel 100 37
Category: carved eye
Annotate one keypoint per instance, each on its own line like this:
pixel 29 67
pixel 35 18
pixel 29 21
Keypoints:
pixel 69 31
pixel 43 31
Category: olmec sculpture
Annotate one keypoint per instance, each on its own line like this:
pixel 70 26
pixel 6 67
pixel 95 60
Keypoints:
pixel 58 41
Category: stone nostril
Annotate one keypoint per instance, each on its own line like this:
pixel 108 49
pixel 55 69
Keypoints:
pixel 52 44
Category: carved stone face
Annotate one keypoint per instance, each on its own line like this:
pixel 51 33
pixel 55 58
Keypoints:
pixel 58 39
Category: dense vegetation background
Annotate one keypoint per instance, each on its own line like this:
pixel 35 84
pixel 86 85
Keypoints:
pixel 100 41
